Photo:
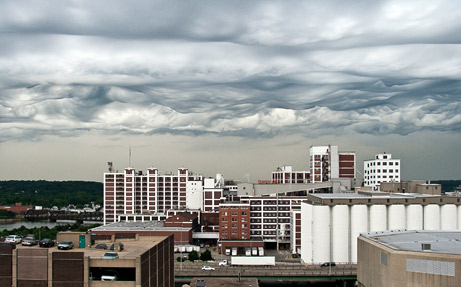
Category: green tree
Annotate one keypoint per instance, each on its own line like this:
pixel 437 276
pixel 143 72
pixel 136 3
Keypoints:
pixel 193 255
pixel 6 214
pixel 206 255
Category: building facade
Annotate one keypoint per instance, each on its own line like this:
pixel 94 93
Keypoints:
pixel 134 193
pixel 383 168
pixel 327 163
pixel 286 175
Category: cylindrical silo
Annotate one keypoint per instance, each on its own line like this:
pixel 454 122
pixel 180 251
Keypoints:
pixel 431 217
pixel 448 217
pixel 396 216
pixel 321 233
pixel 378 218
pixel 340 233
pixel 359 224
pixel 306 233
pixel 414 217
pixel 459 217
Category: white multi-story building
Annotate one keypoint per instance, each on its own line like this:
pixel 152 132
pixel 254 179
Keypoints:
pixel 383 168
pixel 136 196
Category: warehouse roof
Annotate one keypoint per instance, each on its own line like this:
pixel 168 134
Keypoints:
pixel 446 242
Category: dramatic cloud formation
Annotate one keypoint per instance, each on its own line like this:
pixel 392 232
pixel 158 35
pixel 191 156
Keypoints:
pixel 258 69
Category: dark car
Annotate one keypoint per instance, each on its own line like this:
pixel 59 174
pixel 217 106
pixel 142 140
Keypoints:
pixel 328 264
pixel 65 245
pixel 46 242
pixel 101 246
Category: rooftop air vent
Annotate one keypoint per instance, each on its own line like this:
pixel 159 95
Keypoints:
pixel 426 246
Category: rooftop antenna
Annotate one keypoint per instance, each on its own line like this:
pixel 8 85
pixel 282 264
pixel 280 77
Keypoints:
pixel 110 166
pixel 129 156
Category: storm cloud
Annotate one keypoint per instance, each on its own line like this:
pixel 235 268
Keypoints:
pixel 243 68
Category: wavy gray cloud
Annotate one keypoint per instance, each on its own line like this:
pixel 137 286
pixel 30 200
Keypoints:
pixel 241 68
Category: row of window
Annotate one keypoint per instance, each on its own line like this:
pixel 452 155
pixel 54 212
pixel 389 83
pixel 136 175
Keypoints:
pixel 384 171
pixel 378 163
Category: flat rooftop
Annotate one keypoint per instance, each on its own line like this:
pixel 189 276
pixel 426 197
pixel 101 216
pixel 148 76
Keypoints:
pixel 445 242
pixel 131 248
pixel 370 194
pixel 138 226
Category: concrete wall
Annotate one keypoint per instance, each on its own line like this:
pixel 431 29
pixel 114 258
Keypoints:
pixel 68 269
pixel 156 266
pixel 32 267
pixel 6 265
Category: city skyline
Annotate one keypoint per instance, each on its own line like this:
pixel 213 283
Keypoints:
pixel 237 88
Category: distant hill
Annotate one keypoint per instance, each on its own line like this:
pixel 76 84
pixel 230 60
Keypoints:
pixel 50 193
pixel 448 185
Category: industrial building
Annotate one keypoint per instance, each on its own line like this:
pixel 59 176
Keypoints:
pixel 331 223
pixel 409 258
pixel 141 263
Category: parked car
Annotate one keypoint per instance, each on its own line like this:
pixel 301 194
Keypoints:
pixel 207 268
pixel 16 239
pixel 328 264
pixel 46 242
pixel 29 241
pixel 66 245
pixel 101 246
pixel 109 275
pixel 8 244
pixel 223 263
pixel 110 255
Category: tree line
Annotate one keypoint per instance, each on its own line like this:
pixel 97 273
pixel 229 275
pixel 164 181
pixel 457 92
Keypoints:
pixel 50 193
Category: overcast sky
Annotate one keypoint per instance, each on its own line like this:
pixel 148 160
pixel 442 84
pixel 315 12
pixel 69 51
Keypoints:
pixel 232 87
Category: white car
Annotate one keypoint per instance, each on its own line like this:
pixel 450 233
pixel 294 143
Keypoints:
pixel 223 263
pixel 13 239
pixel 207 268
pixel 109 275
